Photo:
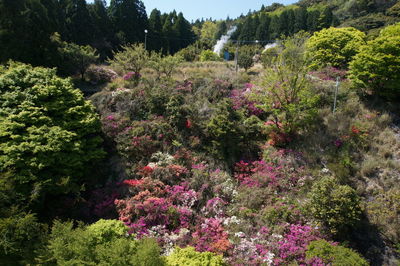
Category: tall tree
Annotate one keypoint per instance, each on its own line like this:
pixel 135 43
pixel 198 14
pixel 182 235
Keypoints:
pixel 262 32
pixel 156 38
pixel 129 20
pixel 78 23
pixel 300 19
pixel 183 31
pixel 103 35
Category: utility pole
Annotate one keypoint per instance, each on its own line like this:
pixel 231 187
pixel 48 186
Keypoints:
pixel 336 94
pixel 145 39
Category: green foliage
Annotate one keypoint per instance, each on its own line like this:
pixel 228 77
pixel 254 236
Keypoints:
pixel 165 66
pixel 47 132
pixel 74 58
pixel 334 46
pixel 208 55
pixel 245 57
pixel 377 66
pixel 132 58
pixel 383 211
pixel 21 236
pixel 334 254
pixel 336 206
pixel 224 132
pixel 102 243
pixel 288 96
pixel 190 257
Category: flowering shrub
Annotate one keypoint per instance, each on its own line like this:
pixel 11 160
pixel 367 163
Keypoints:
pixel 294 244
pixel 99 74
pixel 154 204
pixel 113 124
pixel 263 174
pixel 241 99
pixel 210 235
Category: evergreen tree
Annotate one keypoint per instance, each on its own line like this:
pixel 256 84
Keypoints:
pixel 262 32
pixel 300 19
pixel 313 20
pixel 103 36
pixel 156 39
pixel 222 29
pixel 78 23
pixel 129 20
pixel 184 32
pixel 25 31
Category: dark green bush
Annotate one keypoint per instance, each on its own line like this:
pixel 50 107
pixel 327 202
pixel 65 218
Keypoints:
pixel 335 206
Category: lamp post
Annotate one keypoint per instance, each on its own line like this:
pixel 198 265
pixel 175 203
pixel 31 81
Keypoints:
pixel 145 39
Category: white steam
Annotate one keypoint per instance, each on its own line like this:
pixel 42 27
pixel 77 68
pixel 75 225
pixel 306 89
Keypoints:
pixel 224 39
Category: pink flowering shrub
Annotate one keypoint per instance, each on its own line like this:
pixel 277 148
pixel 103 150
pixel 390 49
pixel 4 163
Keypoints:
pixel 154 204
pixel 210 235
pixel 113 124
pixel 241 99
pixel 293 246
pixel 100 74
pixel 263 174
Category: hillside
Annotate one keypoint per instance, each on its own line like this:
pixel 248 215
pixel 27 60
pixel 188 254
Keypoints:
pixel 143 152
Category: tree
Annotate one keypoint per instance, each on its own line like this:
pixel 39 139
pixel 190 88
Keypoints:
pixel 287 95
pixel 221 29
pixel 335 206
pixel 334 46
pixel 164 66
pixel 25 30
pixel 131 58
pixel 377 65
pixel 156 30
pixel 48 134
pixel 104 38
pixel 245 57
pixel 74 58
pixel 184 32
pixel 78 22
pixel 129 19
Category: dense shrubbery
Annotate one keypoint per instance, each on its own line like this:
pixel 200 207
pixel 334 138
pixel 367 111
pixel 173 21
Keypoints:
pixel 334 46
pixel 336 206
pixel 103 243
pixel 334 254
pixel 376 67
pixel 47 135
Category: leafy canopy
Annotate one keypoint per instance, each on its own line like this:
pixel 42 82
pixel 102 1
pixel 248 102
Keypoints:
pixel 377 66
pixel 334 46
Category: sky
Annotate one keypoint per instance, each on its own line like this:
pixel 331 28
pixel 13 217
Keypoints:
pixel 216 9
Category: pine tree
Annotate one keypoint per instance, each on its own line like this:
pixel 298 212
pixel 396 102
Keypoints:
pixel 262 32
pixel 155 39
pixel 104 39
pixel 300 19
pixel 129 20
pixel 78 23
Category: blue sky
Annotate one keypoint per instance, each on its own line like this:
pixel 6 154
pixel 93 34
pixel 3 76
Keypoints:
pixel 217 9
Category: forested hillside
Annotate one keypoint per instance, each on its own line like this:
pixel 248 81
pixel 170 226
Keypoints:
pixel 128 139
